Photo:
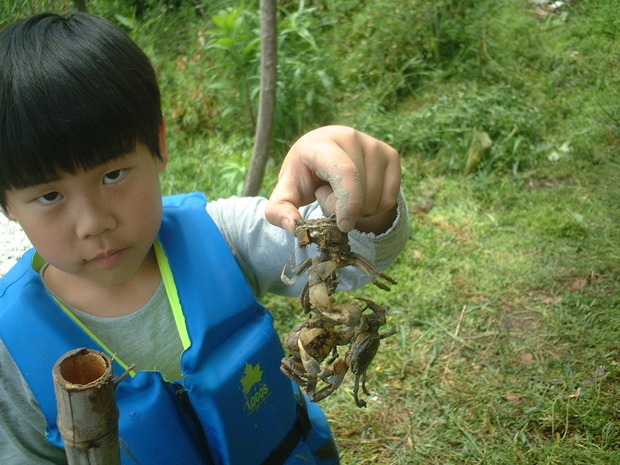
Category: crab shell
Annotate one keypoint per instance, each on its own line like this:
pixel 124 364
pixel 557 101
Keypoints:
pixel 321 231
pixel 363 351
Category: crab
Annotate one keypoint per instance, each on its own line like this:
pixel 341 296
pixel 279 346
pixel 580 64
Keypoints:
pixel 314 344
pixel 364 346
pixel 310 343
pixel 334 254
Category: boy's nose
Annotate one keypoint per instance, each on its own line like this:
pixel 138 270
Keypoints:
pixel 94 217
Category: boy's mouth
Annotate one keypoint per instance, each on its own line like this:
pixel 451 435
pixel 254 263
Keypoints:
pixel 108 259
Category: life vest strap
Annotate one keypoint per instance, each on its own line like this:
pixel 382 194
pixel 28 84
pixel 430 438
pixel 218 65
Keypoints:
pixel 300 429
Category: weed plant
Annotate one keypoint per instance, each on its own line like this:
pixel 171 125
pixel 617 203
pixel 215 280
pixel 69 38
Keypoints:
pixel 507 307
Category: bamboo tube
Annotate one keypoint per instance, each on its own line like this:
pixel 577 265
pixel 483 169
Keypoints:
pixel 87 411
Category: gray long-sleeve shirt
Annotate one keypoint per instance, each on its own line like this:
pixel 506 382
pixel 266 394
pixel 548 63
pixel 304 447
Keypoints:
pixel 148 337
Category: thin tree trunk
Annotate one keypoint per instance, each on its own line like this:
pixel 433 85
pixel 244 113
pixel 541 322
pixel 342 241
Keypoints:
pixel 87 411
pixel 267 98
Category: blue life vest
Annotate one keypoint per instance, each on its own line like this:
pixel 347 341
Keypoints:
pixel 233 406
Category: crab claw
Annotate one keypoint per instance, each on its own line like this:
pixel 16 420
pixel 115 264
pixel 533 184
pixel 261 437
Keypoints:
pixel 319 296
pixel 347 314
pixel 338 370
pixel 313 368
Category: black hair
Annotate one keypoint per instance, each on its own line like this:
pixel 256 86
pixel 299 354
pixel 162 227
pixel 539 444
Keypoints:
pixel 75 92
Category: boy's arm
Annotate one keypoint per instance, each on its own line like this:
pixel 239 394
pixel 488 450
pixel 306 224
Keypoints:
pixel 262 249
pixel 22 424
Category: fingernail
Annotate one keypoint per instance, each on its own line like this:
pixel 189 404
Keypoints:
pixel 346 224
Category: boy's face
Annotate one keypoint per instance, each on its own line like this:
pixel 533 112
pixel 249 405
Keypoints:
pixel 98 224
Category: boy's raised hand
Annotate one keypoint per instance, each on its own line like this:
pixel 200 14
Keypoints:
pixel 350 173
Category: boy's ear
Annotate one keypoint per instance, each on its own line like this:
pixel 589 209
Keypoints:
pixel 6 212
pixel 163 148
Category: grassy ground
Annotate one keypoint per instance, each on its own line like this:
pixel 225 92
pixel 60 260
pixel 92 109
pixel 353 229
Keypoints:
pixel 507 309
pixel 508 328
pixel 508 332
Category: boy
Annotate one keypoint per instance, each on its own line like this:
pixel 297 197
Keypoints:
pixel 171 290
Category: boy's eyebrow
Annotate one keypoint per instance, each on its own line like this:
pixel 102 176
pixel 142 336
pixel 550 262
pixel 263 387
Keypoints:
pixel 30 190
pixel 36 183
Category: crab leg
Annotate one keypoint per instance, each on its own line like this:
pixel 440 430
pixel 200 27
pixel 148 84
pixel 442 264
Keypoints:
pixel 296 270
pixel 372 271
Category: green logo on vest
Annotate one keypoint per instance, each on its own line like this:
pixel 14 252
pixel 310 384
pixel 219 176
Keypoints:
pixel 255 391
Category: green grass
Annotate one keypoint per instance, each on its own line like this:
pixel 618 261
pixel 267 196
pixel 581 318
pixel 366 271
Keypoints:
pixel 507 309
pixel 509 350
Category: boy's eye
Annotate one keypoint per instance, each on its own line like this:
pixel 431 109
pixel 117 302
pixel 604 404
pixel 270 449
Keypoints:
pixel 114 176
pixel 49 198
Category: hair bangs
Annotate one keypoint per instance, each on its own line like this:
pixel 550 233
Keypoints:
pixel 61 134
pixel 75 92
